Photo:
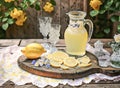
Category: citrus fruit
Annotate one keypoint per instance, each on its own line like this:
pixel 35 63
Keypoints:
pixel 33 50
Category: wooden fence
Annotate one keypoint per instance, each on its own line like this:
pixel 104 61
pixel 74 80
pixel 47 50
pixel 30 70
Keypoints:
pixel 31 28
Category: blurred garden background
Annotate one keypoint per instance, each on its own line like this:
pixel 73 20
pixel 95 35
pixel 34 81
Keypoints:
pixel 19 18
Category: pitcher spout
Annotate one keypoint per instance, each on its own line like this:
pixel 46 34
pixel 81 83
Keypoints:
pixel 77 14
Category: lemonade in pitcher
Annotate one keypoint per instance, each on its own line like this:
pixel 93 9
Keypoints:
pixel 76 35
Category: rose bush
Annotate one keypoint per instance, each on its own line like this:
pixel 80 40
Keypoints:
pixel 104 13
pixel 13 11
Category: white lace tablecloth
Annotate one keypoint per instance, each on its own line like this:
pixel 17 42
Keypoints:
pixel 9 70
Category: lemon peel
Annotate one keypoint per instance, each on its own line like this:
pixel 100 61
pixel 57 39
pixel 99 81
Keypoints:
pixel 33 50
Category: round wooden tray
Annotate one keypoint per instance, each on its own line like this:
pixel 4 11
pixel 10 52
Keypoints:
pixel 72 73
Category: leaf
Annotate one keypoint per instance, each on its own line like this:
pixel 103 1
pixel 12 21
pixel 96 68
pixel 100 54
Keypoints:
pixel 5 26
pixel 7 14
pixel 53 2
pixel 24 1
pixel 94 13
pixel 37 6
pixel 107 30
pixel 10 21
pixel 109 3
pixel 4 19
pixel 32 1
pixel 24 5
pixel 118 28
pixel 102 11
pixel 114 18
pixel 117 4
pixel 119 19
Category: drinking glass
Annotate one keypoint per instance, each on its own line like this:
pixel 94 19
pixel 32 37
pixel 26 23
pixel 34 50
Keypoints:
pixel 54 33
pixel 54 36
pixel 115 59
pixel 44 25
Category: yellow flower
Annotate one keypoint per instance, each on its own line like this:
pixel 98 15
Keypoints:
pixel 48 3
pixel 48 7
pixel 9 1
pixel 19 15
pixel 95 4
pixel 16 13
pixel 21 20
pixel 117 38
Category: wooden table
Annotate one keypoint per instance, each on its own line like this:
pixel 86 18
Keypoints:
pixel 60 45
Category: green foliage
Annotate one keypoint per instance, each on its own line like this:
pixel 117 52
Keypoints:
pixel 53 2
pixel 119 28
pixel 21 5
pixel 7 7
pixel 5 26
pixel 103 18
pixel 107 30
pixel 94 13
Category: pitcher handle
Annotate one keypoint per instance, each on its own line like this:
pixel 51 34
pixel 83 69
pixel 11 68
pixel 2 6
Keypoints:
pixel 90 24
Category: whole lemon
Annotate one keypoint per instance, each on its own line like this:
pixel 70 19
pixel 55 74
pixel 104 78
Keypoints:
pixel 33 50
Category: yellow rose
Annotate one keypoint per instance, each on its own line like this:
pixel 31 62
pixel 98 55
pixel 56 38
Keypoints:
pixel 48 3
pixel 117 38
pixel 48 7
pixel 16 13
pixel 21 20
pixel 95 4
pixel 9 1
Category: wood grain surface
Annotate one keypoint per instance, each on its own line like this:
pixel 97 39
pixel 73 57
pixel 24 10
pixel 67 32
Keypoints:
pixel 31 29
pixel 72 73
pixel 52 72
pixel 93 84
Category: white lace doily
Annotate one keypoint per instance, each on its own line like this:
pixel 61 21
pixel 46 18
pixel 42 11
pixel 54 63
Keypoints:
pixel 10 71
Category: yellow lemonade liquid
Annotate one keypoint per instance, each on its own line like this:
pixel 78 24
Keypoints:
pixel 76 40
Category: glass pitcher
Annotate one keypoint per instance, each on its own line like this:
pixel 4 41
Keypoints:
pixel 76 36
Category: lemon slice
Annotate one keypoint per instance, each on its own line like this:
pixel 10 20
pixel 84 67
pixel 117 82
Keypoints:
pixel 84 65
pixel 57 56
pixel 55 63
pixel 60 54
pixel 70 62
pixel 84 59
pixel 64 67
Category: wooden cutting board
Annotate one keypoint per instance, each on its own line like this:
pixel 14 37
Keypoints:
pixel 72 73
